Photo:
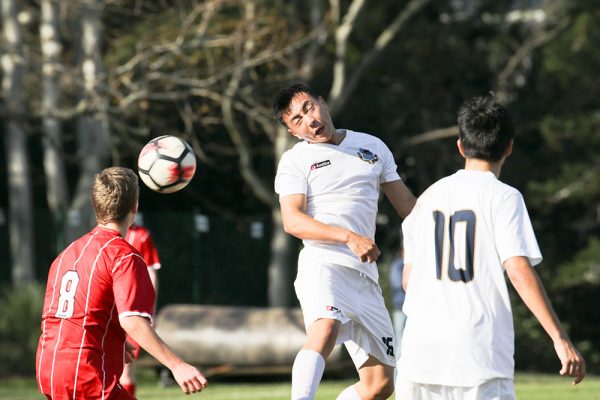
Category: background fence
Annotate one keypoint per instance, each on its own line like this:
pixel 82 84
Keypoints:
pixel 205 259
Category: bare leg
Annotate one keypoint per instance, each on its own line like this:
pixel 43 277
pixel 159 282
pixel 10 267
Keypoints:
pixel 376 380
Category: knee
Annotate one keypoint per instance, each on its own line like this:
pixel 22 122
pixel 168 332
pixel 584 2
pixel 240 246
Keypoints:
pixel 380 389
pixel 385 389
pixel 322 335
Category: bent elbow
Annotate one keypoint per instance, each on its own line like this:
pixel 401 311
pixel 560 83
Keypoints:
pixel 291 229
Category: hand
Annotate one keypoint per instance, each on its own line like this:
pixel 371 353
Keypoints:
pixel 190 380
pixel 129 352
pixel 572 363
pixel 364 248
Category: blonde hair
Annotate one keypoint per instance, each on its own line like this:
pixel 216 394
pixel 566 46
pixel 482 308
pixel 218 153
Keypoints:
pixel 114 194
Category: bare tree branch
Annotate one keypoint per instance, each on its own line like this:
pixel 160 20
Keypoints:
pixel 431 136
pixel 342 33
pixel 556 20
pixel 244 148
pixel 342 90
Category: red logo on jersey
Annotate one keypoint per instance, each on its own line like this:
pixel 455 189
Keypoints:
pixel 332 308
pixel 320 164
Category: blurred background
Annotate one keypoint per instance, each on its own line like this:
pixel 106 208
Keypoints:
pixel 86 83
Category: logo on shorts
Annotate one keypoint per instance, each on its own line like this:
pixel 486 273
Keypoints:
pixel 367 156
pixel 320 164
pixel 332 308
pixel 390 349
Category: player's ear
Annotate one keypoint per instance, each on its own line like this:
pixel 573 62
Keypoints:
pixel 461 149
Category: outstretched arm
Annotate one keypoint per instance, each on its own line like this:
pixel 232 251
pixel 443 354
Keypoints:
pixel 297 223
pixel 187 376
pixel 530 289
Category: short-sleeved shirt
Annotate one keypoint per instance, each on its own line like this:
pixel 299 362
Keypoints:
pixel 93 282
pixel 459 328
pixel 341 184
pixel 140 238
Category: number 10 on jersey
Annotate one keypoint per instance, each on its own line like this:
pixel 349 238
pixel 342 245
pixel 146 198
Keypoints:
pixel 458 260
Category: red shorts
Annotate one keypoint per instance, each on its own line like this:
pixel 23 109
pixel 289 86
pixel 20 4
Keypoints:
pixel 121 394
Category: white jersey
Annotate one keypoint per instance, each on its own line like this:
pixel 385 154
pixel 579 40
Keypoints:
pixel 341 184
pixel 459 329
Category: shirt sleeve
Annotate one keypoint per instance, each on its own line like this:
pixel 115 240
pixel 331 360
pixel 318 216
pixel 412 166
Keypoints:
pixel 514 232
pixel 389 172
pixel 132 288
pixel 290 179
pixel 149 252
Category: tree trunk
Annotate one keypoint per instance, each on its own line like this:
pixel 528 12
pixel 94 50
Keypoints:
pixel 284 247
pixel 92 127
pixel 282 266
pixel 54 168
pixel 20 212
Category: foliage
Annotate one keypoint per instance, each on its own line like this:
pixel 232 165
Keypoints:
pixel 20 316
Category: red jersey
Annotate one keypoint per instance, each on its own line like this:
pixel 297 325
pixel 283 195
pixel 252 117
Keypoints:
pixel 98 278
pixel 140 238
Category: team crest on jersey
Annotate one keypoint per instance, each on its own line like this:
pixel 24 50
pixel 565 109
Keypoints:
pixel 320 164
pixel 367 155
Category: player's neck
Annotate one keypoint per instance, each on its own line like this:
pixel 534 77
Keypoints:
pixel 474 164
pixel 121 228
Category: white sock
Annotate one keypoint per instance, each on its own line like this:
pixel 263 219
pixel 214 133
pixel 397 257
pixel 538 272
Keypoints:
pixel 306 374
pixel 349 393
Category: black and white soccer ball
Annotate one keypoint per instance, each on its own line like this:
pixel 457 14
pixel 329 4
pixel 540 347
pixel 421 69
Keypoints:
pixel 166 164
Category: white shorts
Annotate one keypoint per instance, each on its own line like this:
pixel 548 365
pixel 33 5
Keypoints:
pixel 494 389
pixel 349 296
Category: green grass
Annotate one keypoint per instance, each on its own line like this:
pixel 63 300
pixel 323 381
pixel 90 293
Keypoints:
pixel 528 387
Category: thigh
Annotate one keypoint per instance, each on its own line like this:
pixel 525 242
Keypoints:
pixel 374 332
pixel 325 291
pixel 374 371
pixel 321 335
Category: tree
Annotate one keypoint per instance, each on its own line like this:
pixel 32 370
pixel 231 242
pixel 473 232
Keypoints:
pixel 93 134
pixel 243 62
pixel 20 213
pixel 56 177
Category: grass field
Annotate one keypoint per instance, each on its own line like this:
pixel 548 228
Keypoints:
pixel 528 387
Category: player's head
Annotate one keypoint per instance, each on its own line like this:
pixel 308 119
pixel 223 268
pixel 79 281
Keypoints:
pixel 304 114
pixel 283 100
pixel 485 129
pixel 114 194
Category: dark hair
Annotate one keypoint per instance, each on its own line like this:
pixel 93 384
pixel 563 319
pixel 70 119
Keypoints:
pixel 281 103
pixel 114 194
pixel 484 128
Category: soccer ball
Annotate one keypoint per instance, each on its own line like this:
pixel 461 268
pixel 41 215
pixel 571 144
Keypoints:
pixel 166 164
